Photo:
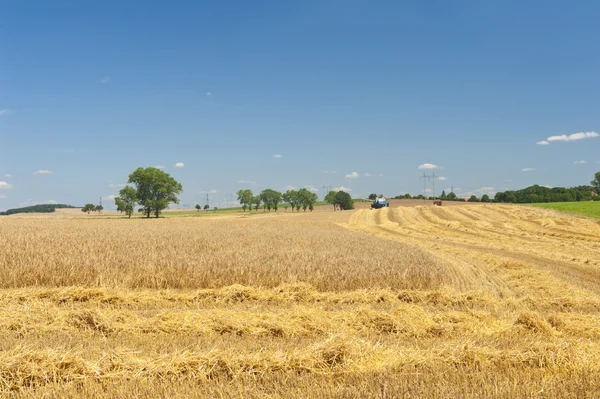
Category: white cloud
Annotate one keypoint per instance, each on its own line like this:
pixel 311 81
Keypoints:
pixel 428 166
pixel 104 80
pixel 43 172
pixel 528 169
pixel 208 94
pixel 51 202
pixel 373 175
pixel 547 186
pixel 28 202
pixel 342 188
pixel 329 172
pixel 570 137
pixel 247 182
pixel 109 198
pixel 160 166
pixel 179 165
pixel 574 136
pixel 8 175
pixel 209 192
pixel 352 175
pixel 277 156
pixel 290 187
pixel 486 190
pixel 113 185
pixel 314 189
pixel 442 178
pixel 4 185
pixel 579 162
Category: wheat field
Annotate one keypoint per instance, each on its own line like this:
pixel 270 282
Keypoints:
pixel 462 301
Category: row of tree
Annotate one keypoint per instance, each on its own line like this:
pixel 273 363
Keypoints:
pixel 532 194
pixel 89 208
pixel 41 208
pixel 537 193
pixel 446 197
pixel 270 199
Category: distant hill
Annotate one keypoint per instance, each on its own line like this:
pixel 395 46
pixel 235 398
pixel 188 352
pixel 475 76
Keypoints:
pixel 43 208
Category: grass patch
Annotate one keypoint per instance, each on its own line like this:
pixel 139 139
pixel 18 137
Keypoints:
pixel 586 208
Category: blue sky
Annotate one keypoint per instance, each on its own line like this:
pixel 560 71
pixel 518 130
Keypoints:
pixel 369 90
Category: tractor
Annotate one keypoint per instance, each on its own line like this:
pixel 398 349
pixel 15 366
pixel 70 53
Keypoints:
pixel 379 203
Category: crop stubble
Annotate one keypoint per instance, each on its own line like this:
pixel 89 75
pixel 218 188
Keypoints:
pixel 464 301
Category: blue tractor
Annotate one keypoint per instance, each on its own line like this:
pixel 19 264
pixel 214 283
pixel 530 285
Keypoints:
pixel 379 203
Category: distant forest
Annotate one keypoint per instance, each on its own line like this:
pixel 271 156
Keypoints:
pixel 529 195
pixel 537 193
pixel 43 208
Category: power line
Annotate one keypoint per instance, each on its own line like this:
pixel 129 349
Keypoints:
pixel 431 178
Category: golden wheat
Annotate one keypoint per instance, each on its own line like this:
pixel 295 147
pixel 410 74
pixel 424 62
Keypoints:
pixel 473 301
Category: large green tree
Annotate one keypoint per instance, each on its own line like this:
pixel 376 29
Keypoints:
pixel 155 189
pixel 256 202
pixel 245 198
pixel 126 200
pixel 291 197
pixel 270 199
pixel 330 199
pixel 306 198
pixel 344 201
pixel 88 208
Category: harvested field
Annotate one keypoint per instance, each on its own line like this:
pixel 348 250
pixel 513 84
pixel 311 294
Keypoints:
pixel 464 301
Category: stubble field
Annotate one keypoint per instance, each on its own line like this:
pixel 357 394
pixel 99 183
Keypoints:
pixel 462 301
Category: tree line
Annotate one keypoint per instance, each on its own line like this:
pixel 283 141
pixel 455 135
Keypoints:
pixel 535 194
pixel 41 208
pixel 531 194
pixel 270 199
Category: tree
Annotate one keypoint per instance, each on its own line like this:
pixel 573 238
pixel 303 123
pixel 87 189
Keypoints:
pixel 473 199
pixel 88 208
pixel 305 198
pixel 126 200
pixel 485 198
pixel 98 208
pixel 256 201
pixel 198 207
pixel 245 198
pixel 344 201
pixel 443 196
pixel 155 189
pixel 270 198
pixel 330 199
pixel 373 196
pixel 291 197
pixel 596 183
pixel 206 207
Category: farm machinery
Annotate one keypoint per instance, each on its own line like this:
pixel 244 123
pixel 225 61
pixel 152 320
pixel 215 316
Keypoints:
pixel 379 203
